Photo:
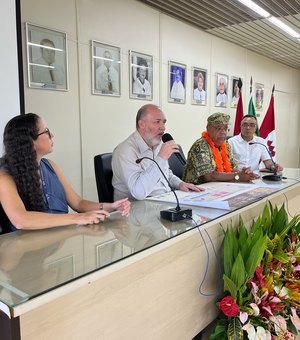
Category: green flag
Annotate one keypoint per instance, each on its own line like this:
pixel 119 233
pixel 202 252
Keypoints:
pixel 251 111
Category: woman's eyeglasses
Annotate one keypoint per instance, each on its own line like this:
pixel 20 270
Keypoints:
pixel 46 131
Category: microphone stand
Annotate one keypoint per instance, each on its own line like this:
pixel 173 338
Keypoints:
pixel 175 214
pixel 275 177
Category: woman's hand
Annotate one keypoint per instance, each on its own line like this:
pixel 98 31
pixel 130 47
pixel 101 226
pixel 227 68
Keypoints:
pixel 91 217
pixel 123 206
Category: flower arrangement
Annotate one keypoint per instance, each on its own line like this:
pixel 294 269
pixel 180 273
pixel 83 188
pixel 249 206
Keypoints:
pixel 261 279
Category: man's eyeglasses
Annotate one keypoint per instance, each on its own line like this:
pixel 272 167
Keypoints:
pixel 46 131
pixel 246 125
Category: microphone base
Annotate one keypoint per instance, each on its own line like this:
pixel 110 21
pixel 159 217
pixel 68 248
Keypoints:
pixel 272 178
pixel 174 215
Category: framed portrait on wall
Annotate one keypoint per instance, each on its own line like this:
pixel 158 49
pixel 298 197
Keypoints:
pixel 221 89
pixel 235 92
pixel 141 75
pixel 106 69
pixel 47 58
pixel 259 96
pixel 177 82
pixel 108 252
pixel 62 269
pixel 199 86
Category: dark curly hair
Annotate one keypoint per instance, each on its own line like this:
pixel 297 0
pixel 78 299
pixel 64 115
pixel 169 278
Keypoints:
pixel 21 159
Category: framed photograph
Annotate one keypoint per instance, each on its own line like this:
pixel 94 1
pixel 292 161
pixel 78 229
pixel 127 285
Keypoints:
pixel 108 252
pixel 199 86
pixel 63 269
pixel 221 89
pixel 235 92
pixel 47 58
pixel 259 96
pixel 106 69
pixel 141 75
pixel 177 82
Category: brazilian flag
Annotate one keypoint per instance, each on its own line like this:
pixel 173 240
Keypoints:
pixel 251 111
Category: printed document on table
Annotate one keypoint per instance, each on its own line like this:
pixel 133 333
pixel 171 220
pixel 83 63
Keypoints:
pixel 216 195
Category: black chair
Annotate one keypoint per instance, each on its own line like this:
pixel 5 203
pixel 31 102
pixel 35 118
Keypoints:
pixel 103 174
pixel 4 222
pixel 175 165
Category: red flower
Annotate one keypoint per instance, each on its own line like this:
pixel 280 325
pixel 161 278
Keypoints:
pixel 260 277
pixel 229 307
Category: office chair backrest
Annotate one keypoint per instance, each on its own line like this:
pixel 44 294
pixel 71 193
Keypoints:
pixel 175 165
pixel 103 174
pixel 4 222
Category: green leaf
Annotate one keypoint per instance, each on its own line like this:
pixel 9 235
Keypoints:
pixel 269 256
pixel 235 331
pixel 238 273
pixel 266 217
pixel 257 235
pixel 282 257
pixel 292 225
pixel 280 221
pixel 255 256
pixel 296 225
pixel 246 248
pixel 220 332
pixel 269 245
pixel 242 234
pixel 230 243
pixel 230 286
pixel 277 246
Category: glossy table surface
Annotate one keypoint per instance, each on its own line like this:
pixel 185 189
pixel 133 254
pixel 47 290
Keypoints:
pixel 35 262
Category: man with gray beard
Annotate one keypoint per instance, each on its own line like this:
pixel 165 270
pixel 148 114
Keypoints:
pixel 138 181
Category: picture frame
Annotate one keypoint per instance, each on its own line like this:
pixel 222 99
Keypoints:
pixel 199 86
pixel 63 268
pixel 108 252
pixel 221 90
pixel 259 96
pixel 235 92
pixel 106 69
pixel 47 58
pixel 141 75
pixel 177 83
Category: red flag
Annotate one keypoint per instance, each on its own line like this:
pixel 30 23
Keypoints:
pixel 238 116
pixel 267 128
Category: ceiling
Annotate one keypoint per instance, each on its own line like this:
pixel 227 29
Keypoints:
pixel 231 20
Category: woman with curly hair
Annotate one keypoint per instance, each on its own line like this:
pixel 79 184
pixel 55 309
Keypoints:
pixel 34 192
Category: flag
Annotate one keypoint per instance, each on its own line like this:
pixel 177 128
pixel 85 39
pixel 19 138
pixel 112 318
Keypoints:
pixel 239 111
pixel 251 109
pixel 267 129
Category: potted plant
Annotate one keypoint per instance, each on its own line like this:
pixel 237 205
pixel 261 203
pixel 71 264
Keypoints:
pixel 261 279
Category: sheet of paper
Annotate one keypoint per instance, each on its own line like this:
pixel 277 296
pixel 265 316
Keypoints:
pixel 219 195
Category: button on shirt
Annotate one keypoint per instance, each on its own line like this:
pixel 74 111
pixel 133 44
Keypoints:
pixel 248 155
pixel 137 181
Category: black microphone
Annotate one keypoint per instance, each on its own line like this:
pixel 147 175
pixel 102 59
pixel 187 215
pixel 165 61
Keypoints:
pixel 275 177
pixel 176 214
pixel 166 138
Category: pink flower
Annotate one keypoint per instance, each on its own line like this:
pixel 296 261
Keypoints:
pixel 243 317
pixel 228 306
pixel 295 318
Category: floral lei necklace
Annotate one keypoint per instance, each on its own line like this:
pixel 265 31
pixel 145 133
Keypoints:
pixel 221 158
